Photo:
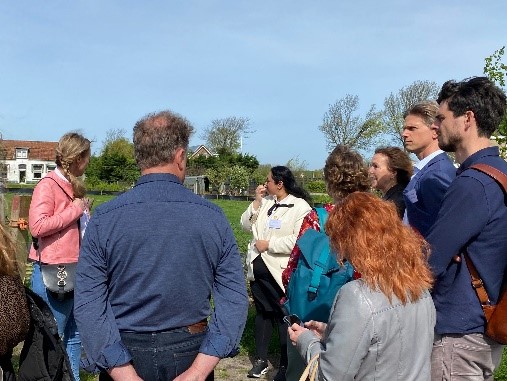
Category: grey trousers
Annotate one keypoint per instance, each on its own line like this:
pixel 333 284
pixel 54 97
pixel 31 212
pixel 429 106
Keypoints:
pixel 464 357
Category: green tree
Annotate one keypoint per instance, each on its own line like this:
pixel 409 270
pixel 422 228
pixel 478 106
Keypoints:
pixel 497 72
pixel 225 135
pixel 116 162
pixel 342 125
pixel 395 106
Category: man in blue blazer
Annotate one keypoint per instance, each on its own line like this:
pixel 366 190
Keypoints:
pixel 432 174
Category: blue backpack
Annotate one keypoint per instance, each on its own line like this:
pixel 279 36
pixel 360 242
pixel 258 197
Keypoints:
pixel 318 276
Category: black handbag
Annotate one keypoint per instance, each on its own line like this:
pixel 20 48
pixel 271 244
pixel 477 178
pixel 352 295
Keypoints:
pixel 59 279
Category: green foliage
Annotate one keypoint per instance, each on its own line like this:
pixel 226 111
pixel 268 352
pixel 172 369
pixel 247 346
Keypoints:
pixel 501 371
pixel 317 186
pixel 232 169
pixel 321 199
pixel 116 162
pixel 497 72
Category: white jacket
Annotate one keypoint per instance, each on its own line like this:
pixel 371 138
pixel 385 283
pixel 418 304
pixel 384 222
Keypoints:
pixel 281 235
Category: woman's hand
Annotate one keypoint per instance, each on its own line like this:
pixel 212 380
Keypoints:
pixel 317 327
pixel 80 202
pixel 260 192
pixel 261 245
pixel 294 331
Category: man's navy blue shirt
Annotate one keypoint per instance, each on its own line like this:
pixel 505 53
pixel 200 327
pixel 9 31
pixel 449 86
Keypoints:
pixel 150 261
pixel 473 216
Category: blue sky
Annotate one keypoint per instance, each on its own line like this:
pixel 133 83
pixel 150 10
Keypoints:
pixel 99 65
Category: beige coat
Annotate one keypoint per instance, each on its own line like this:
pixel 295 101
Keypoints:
pixel 281 235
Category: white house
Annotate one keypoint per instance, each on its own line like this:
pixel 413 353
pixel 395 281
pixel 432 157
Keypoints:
pixel 24 161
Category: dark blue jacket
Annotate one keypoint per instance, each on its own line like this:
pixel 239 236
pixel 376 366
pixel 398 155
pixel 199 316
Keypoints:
pixel 473 216
pixel 151 260
pixel 425 192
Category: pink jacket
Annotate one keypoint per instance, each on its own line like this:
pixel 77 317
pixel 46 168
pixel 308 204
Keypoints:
pixel 53 220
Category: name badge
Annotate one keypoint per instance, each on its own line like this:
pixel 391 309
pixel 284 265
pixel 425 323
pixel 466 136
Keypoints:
pixel 412 196
pixel 275 223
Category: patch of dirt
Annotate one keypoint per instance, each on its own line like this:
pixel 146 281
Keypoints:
pixel 236 369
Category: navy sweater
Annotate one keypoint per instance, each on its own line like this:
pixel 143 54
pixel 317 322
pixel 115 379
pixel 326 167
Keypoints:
pixel 473 216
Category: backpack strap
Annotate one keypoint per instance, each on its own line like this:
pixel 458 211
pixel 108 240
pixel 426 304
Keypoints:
pixel 321 263
pixel 322 214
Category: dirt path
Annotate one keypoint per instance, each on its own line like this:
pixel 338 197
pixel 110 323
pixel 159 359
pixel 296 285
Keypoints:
pixel 235 369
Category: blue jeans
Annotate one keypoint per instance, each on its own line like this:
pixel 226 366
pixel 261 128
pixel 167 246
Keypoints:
pixel 161 355
pixel 63 311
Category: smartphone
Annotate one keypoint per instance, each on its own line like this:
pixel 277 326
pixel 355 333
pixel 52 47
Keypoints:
pixel 292 319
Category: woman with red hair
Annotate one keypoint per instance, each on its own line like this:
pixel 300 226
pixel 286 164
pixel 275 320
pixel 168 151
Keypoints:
pixel 381 326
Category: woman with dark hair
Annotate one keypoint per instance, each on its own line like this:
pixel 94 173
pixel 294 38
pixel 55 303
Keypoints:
pixel 274 218
pixel 381 325
pixel 345 172
pixel 390 172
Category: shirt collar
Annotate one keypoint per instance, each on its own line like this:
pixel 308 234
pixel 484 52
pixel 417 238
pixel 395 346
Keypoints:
pixel 475 157
pixel 422 163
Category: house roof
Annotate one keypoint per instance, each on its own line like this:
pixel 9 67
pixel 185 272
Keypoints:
pixel 36 150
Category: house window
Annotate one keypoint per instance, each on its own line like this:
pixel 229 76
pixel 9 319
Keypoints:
pixel 37 171
pixel 21 153
pixel 50 167
pixel 4 169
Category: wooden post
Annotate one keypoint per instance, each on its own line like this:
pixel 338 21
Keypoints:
pixel 18 224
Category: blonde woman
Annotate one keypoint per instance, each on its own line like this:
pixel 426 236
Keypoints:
pixel 58 217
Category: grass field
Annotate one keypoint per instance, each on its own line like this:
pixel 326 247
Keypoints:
pixel 233 211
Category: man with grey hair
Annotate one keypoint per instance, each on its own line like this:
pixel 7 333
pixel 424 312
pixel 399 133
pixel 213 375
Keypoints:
pixel 150 262
pixel 434 171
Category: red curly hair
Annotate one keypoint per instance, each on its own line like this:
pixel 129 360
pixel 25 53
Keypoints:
pixel 390 256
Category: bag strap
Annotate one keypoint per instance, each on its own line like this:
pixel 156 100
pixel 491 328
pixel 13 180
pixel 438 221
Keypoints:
pixel 496 174
pixel 321 262
pixel 313 366
pixel 322 215
pixel 477 283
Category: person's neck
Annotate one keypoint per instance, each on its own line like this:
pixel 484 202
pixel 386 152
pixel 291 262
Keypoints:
pixel 171 169
pixel 281 196
pixel 466 150
pixel 389 187
pixel 428 150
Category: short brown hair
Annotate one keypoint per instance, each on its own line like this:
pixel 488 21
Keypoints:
pixel 345 172
pixel 427 110
pixel 399 162
pixel 391 256
pixel 157 136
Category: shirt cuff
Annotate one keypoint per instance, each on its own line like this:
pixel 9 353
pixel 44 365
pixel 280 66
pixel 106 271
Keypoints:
pixel 112 356
pixel 218 345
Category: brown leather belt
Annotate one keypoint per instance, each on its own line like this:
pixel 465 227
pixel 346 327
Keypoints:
pixel 198 327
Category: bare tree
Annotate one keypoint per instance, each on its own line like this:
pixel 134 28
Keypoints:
pixel 341 126
pixel 396 104
pixel 225 135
